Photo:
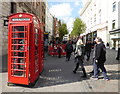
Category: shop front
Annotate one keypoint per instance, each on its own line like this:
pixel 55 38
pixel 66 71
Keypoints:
pixel 114 39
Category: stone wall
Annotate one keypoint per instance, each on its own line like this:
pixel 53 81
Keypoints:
pixel 6 6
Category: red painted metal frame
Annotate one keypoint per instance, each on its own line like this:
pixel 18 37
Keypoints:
pixel 32 66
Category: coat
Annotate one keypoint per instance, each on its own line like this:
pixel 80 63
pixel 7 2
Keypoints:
pixel 69 48
pixel 100 53
pixel 88 47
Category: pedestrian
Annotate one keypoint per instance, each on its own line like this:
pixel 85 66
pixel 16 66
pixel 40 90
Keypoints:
pixel 92 72
pixel 118 53
pixel 46 47
pixel 59 50
pixel 99 59
pixel 88 47
pixel 107 45
pixel 79 56
pixel 69 50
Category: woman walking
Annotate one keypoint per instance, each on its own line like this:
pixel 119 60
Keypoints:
pixel 79 56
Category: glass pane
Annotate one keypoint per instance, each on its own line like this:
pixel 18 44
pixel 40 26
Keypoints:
pixel 18 28
pixel 18 54
pixel 18 41
pixel 18 47
pixel 18 60
pixel 18 35
pixel 20 67
pixel 18 73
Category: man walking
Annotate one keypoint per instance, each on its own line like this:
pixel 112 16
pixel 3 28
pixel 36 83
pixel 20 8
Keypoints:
pixel 69 50
pixel 99 59
pixel 88 48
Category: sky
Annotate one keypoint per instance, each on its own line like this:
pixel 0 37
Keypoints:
pixel 66 11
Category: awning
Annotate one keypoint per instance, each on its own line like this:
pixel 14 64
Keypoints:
pixel 114 31
pixel 115 38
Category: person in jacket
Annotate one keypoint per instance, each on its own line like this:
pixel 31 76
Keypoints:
pixel 69 50
pixel 88 47
pixel 79 55
pixel 99 56
pixel 118 53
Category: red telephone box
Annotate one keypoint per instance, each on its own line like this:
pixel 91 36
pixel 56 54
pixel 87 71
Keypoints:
pixel 25 48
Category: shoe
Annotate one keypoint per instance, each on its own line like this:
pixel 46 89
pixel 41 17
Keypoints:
pixel 74 72
pixel 95 78
pixel 107 79
pixel 117 58
pixel 91 72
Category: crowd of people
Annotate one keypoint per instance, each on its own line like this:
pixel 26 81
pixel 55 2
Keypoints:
pixel 81 49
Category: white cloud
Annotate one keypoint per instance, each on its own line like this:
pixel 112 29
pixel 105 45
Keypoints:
pixel 61 10
pixel 77 3
pixel 70 24
pixel 84 2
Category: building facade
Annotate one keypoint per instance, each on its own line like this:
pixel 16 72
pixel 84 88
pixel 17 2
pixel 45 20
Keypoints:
pixel 95 16
pixel 42 12
pixel 56 26
pixel 114 23
pixel 8 8
pixel 49 23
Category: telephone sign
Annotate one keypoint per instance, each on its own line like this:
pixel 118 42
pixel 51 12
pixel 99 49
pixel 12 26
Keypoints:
pixel 20 19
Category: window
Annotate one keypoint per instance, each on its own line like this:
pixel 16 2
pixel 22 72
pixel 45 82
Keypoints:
pixel 114 7
pixel 91 21
pixel 24 11
pixel 42 8
pixel 42 19
pixel 100 16
pixel 113 24
pixel 95 18
pixel 13 7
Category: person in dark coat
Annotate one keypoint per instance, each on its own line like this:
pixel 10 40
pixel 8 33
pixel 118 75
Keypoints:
pixel 69 50
pixel 88 47
pixel 59 51
pixel 118 53
pixel 99 55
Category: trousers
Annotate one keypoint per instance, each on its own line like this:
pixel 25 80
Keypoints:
pixel 100 65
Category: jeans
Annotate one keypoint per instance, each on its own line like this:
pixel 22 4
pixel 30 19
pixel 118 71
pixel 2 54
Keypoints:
pixel 100 65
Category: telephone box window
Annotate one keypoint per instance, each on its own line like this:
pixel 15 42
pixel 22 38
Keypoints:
pixel 18 28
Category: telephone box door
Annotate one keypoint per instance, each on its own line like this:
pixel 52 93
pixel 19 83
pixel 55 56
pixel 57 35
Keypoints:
pixel 18 53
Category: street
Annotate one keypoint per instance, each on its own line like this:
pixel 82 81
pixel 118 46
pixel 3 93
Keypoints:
pixel 57 76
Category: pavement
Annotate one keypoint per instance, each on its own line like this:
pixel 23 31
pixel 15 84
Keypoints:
pixel 57 76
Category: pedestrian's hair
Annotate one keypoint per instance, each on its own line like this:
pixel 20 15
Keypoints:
pixel 99 39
